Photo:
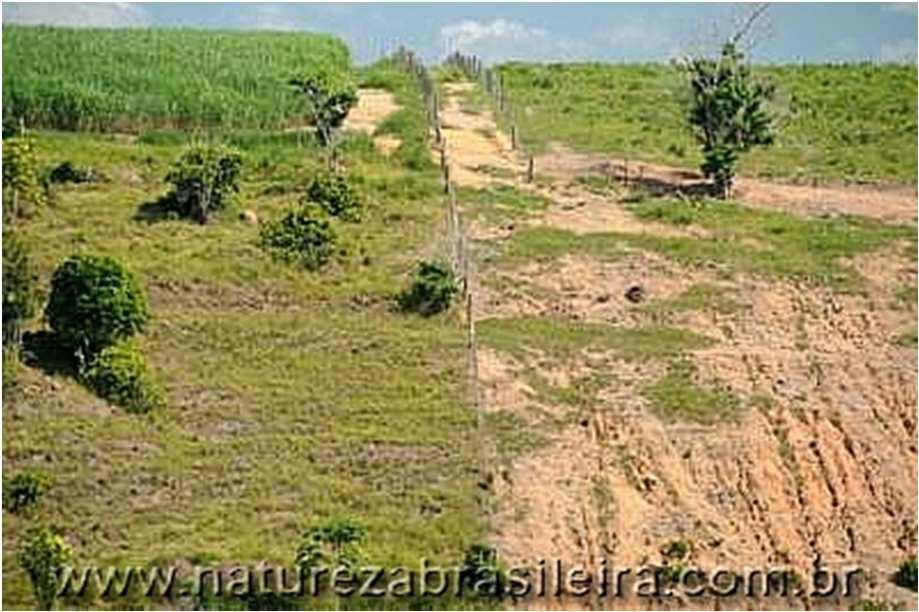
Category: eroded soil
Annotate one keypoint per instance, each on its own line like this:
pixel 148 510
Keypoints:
pixel 817 468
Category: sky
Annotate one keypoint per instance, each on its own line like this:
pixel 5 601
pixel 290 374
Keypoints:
pixel 624 32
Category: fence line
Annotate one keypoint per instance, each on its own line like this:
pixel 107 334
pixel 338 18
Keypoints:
pixel 457 247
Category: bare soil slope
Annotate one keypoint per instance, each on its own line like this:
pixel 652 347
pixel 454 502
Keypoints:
pixel 817 467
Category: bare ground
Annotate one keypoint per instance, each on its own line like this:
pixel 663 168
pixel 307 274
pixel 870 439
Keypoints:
pixel 821 467
pixel 373 106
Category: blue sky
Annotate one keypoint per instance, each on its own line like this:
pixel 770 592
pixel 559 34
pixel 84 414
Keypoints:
pixel 540 32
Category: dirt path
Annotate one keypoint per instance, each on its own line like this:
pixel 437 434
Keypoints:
pixel 373 106
pixel 819 468
pixel 889 203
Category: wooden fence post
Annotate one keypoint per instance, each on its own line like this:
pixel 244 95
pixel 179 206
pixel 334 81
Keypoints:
pixel 530 170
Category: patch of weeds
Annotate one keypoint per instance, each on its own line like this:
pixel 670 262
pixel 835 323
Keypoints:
pixel 677 397
pixel 765 242
pixel 677 549
pixel 579 393
pixel 599 184
pixel 701 296
pixel 905 296
pixel 547 244
pixel 907 574
pixel 501 202
pixel 512 435
pixel 907 339
pixel 562 338
pixel 496 171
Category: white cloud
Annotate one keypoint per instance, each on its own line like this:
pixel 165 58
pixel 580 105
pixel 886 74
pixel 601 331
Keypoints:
pixel 101 15
pixel 501 40
pixel 900 51
pixel 464 35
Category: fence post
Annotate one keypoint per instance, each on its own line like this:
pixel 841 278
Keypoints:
pixel 530 170
pixel 514 137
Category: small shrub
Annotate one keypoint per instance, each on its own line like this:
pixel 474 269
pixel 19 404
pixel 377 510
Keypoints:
pixel 907 574
pixel 94 303
pixel 432 289
pixel 204 178
pixel 67 172
pixel 21 184
pixel 336 542
pixel 23 491
pixel 20 288
pixel 303 236
pixel 120 374
pixel 335 196
pixel 43 556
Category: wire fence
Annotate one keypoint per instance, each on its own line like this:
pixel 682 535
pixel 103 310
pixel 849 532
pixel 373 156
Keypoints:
pixel 457 248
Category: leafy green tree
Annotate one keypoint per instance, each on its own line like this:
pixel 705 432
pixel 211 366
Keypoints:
pixel 94 303
pixel 43 557
pixel 20 288
pixel 331 544
pixel 204 178
pixel 329 95
pixel 727 112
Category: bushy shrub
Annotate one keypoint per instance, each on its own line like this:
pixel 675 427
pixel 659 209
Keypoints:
pixel 43 556
pixel 120 374
pixel 24 490
pixel 907 574
pixel 333 193
pixel 21 185
pixel 20 288
pixel 303 236
pixel 94 303
pixel 432 289
pixel 204 178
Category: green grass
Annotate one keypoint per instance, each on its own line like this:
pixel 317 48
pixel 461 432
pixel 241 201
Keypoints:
pixel 767 242
pixel 81 78
pixel 500 202
pixel 562 339
pixel 701 296
pixel 854 121
pixel 547 244
pixel 292 397
pixel 678 397
pixel 742 239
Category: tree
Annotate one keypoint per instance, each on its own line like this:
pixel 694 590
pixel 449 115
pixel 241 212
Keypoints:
pixel 43 557
pixel 727 111
pixel 329 96
pixel 20 288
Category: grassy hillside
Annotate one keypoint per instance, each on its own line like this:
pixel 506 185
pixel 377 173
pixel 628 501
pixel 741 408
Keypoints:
pixel 89 79
pixel 293 397
pixel 843 122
